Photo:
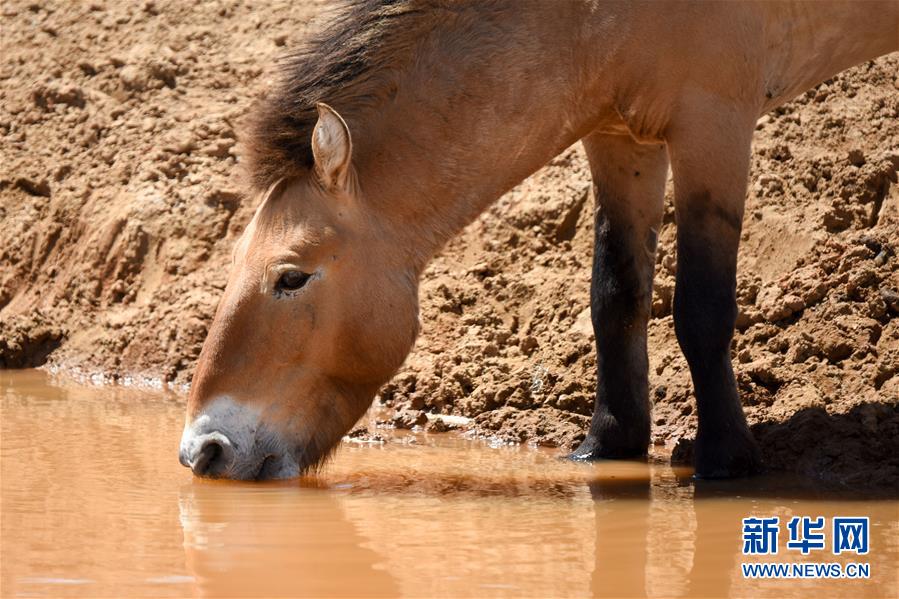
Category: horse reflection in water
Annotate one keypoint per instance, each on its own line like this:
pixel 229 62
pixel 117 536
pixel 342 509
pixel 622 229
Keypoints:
pixel 655 533
pixel 666 545
pixel 385 532
pixel 256 543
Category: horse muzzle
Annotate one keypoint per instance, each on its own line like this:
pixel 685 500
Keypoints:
pixel 229 440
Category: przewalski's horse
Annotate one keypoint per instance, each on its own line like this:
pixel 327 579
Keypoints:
pixel 397 126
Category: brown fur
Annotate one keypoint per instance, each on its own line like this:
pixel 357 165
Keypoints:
pixel 439 107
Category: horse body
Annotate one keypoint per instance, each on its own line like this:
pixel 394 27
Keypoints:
pixel 405 120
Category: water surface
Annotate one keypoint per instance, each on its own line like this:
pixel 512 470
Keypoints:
pixel 95 503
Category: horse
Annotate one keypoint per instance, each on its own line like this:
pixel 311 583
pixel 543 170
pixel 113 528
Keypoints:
pixel 399 123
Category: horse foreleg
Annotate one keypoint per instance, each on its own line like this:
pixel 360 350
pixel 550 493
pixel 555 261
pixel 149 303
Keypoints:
pixel 710 163
pixel 629 187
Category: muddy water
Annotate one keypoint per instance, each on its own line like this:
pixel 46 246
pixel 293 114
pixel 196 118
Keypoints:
pixel 94 503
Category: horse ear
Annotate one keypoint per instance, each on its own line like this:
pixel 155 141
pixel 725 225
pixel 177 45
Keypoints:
pixel 332 147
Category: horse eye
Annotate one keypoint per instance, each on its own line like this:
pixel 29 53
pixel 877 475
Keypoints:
pixel 292 280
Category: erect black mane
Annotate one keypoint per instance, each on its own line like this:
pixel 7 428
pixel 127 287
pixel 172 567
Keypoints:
pixel 349 65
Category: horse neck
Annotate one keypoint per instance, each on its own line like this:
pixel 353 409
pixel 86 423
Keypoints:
pixel 492 97
pixel 813 41
pixel 468 123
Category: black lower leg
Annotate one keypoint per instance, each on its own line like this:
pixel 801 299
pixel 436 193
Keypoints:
pixel 620 295
pixel 704 314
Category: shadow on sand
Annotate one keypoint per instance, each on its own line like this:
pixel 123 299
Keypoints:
pixel 858 449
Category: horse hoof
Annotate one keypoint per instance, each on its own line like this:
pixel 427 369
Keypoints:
pixel 735 458
pixel 591 449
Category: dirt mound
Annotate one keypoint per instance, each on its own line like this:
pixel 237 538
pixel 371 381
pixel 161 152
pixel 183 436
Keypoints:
pixel 119 205
pixel 118 196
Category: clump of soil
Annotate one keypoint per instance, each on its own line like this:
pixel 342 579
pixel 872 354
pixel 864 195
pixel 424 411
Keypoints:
pixel 119 205
pixel 27 341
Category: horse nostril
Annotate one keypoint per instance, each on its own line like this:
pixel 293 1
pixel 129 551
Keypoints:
pixel 210 453
pixel 205 460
